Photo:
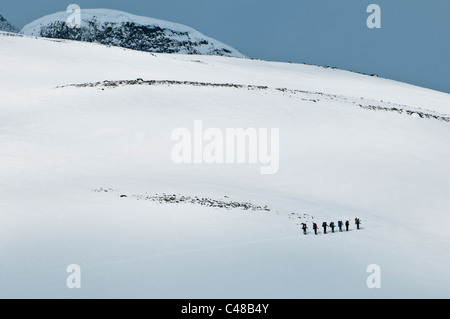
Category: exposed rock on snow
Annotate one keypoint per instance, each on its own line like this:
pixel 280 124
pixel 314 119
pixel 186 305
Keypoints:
pixel 111 27
pixel 305 95
pixel 5 25
pixel 182 199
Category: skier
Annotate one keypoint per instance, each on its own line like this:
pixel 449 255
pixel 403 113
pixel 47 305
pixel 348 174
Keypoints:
pixel 324 225
pixel 357 222
pixel 332 226
pixel 346 225
pixel 340 225
pixel 315 228
pixel 304 228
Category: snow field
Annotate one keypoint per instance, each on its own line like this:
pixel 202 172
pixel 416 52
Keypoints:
pixel 337 161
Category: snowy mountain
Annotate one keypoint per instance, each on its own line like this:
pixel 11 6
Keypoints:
pixel 88 177
pixel 122 29
pixel 6 26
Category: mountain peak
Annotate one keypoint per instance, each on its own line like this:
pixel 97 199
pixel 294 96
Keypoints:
pixel 118 28
pixel 6 26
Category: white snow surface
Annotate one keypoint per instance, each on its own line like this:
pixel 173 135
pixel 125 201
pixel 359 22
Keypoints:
pixel 102 16
pixel 338 161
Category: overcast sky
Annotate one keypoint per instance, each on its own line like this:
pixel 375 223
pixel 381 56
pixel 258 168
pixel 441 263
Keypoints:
pixel 412 45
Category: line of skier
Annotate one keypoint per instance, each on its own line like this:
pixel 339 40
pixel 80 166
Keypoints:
pixel 340 224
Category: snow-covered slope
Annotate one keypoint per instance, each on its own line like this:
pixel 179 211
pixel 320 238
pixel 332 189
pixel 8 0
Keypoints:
pixel 6 26
pixel 87 178
pixel 126 30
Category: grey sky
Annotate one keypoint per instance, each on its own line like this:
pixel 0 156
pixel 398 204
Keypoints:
pixel 413 44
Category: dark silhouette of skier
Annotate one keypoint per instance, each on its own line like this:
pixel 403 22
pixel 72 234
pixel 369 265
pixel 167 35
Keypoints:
pixel 346 225
pixel 304 227
pixel 332 226
pixel 315 228
pixel 324 225
pixel 357 222
pixel 340 225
